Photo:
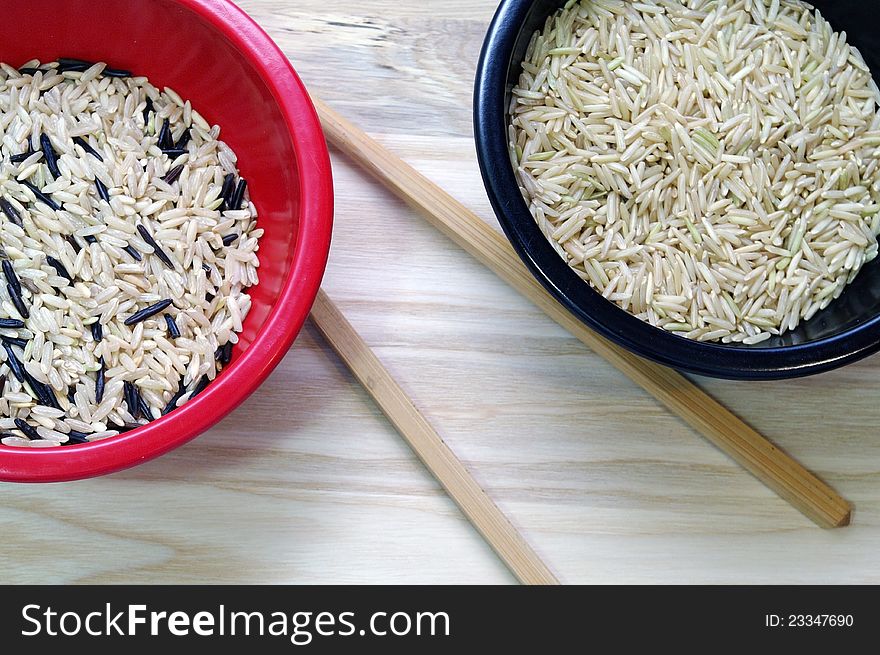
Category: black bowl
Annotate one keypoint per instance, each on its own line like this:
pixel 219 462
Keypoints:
pixel 848 330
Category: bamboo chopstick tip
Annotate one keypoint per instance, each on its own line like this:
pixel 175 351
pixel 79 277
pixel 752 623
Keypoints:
pixel 845 520
pixel 476 505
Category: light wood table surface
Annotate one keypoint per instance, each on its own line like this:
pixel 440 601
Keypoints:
pixel 308 483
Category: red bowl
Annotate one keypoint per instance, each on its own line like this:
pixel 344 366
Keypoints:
pixel 212 53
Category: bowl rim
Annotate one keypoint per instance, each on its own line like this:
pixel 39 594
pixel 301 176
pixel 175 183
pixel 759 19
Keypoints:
pixel 287 314
pixel 603 316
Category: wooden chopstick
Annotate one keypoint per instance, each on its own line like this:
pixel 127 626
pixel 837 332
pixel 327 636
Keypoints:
pixel 755 453
pixel 491 523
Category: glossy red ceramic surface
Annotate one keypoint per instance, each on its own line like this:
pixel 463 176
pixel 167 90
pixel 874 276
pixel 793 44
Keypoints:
pixel 212 53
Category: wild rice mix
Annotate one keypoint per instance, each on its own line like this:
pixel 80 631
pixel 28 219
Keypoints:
pixel 711 166
pixel 127 243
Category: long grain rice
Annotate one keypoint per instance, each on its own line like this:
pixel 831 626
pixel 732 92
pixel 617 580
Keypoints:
pixel 710 166
pixel 94 275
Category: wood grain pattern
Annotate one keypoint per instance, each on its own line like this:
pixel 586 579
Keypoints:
pixel 429 446
pixel 307 482
pixel 788 478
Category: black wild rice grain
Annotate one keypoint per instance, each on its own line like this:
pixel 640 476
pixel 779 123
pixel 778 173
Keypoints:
pixel 18 301
pixel 172 175
pixel 164 138
pixel 130 396
pixel 226 191
pixel 227 353
pixel 116 72
pixel 100 382
pixel 89 239
pixel 53 400
pixel 145 409
pixel 76 438
pixel 71 395
pixel 11 277
pixel 59 268
pixel 49 155
pixel 206 268
pixel 13 363
pixel 72 68
pixel 44 392
pixel 42 197
pixel 139 403
pixel 17 159
pixel 161 254
pixel 173 330
pixel 11 324
pixel 184 140
pixel 172 404
pixel 11 212
pixel 229 239
pixel 82 143
pixel 29 431
pixel 224 353
pixel 77 65
pixel 97 331
pixel 73 243
pixel 147 312
pixel 28 70
pixel 147 109
pixel 15 341
pixel 135 255
pixel 102 190
pixel 39 392
pixel 238 196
